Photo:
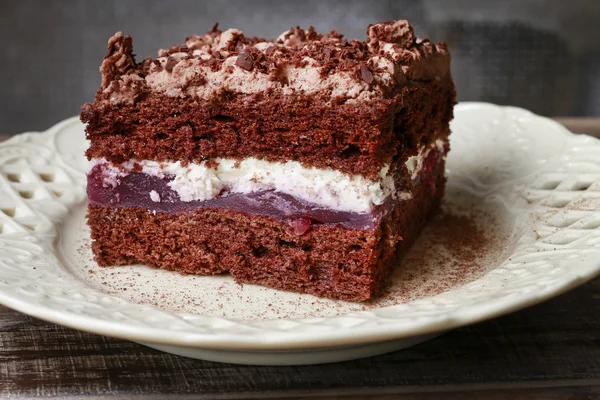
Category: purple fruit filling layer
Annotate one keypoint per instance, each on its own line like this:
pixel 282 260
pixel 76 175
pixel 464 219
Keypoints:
pixel 134 190
pixel 153 193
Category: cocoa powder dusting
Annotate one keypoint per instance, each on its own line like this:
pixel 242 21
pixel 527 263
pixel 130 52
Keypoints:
pixel 460 236
pixel 453 250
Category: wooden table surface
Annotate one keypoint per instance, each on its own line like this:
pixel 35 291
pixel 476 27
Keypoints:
pixel 551 350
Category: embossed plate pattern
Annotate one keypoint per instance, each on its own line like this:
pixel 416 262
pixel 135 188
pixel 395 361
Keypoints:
pixel 545 177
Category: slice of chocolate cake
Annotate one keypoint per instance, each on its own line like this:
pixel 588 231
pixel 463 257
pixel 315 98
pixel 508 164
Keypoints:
pixel 309 163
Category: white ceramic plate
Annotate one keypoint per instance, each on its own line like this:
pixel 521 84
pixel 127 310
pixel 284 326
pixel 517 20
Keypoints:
pixel 531 188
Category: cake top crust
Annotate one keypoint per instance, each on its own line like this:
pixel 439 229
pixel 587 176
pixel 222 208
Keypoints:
pixel 298 62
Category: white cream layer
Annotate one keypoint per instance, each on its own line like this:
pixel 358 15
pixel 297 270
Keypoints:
pixel 327 188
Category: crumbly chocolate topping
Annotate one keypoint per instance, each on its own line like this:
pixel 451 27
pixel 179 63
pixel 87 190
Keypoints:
pixel 119 60
pixel 397 32
pixel 298 62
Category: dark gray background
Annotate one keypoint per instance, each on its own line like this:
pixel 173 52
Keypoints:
pixel 543 55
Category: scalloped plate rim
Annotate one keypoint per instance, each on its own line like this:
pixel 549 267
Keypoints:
pixel 286 340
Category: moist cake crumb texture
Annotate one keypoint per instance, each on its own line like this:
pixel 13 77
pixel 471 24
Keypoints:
pixel 307 163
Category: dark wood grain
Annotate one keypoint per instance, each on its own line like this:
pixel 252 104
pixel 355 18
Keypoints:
pixel 549 351
pixel 589 126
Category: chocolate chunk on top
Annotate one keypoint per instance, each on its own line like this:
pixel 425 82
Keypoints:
pixel 245 61
pixel 171 62
pixel 366 74
pixel 270 50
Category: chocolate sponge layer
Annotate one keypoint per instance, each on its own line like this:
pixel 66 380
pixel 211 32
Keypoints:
pixel 352 138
